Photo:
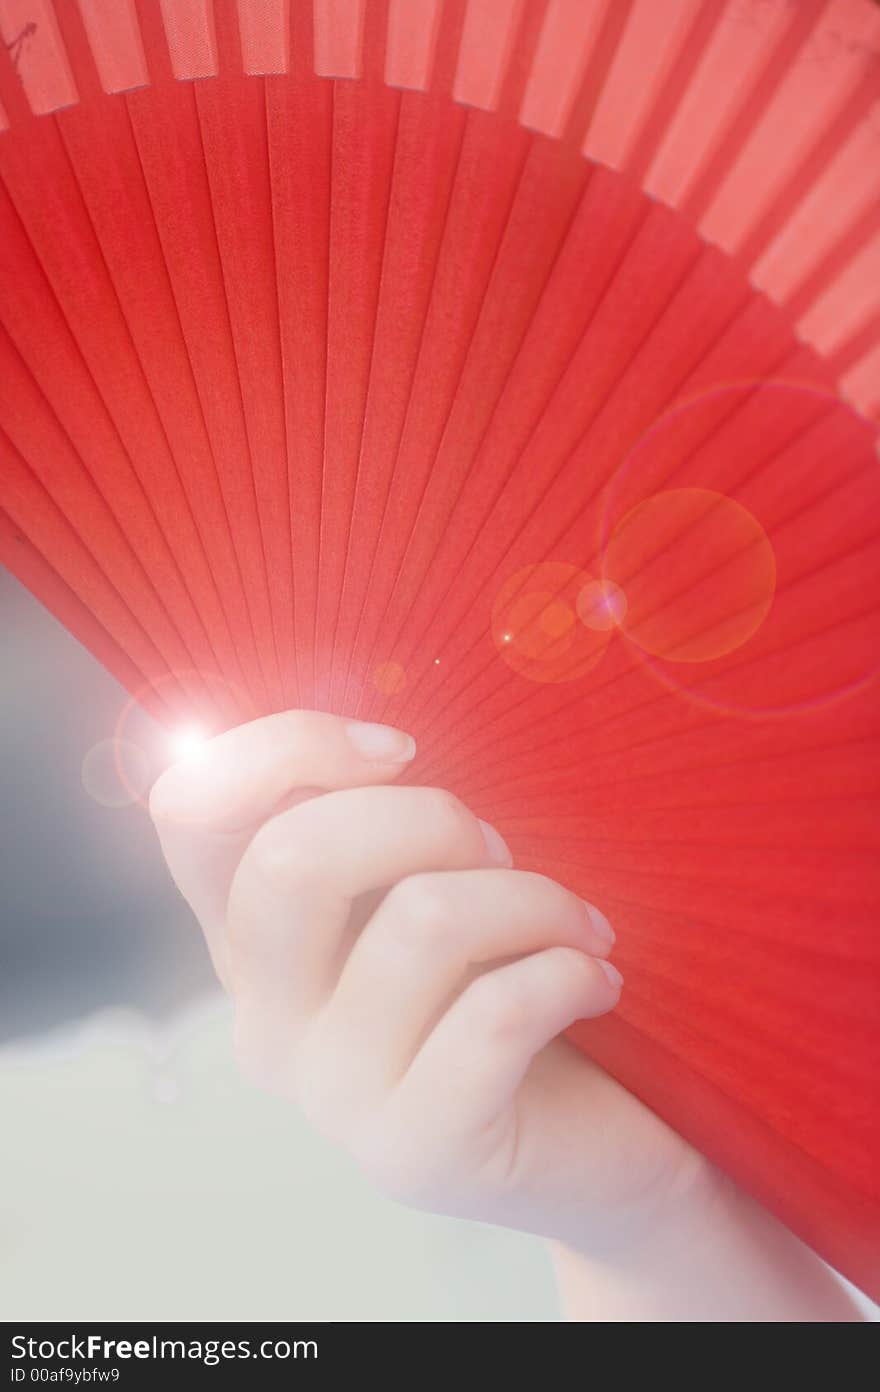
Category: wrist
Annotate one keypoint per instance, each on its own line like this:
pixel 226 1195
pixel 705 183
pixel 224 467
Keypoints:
pixel 677 1208
pixel 709 1254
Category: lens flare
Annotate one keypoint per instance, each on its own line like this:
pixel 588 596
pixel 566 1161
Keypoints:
pixel 190 745
pixel 535 624
pixel 601 605
pixel 698 572
pixel 116 773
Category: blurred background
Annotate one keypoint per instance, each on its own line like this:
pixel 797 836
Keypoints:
pixel 141 1178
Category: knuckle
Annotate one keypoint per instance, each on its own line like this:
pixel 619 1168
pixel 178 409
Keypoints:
pixel 444 810
pixel 265 854
pixel 419 911
pixel 278 854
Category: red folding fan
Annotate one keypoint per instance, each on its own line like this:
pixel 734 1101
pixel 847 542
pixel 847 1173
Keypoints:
pixel 508 370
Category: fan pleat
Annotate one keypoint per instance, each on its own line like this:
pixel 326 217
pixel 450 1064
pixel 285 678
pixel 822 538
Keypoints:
pixel 322 323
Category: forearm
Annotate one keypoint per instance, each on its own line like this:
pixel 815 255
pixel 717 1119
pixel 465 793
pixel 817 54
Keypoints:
pixel 724 1259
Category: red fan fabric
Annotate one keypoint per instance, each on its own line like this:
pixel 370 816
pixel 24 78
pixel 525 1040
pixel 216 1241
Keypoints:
pixel 508 370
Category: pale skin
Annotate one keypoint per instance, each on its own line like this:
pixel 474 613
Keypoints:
pixel 395 977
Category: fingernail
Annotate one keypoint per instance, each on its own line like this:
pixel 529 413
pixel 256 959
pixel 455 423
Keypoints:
pixel 615 980
pixel 381 742
pixel 600 925
pixel 499 851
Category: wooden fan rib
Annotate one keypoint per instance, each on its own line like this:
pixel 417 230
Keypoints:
pixel 656 117
pixel 487 47
pixel 35 49
pixel 826 93
pixel 191 37
pixel 655 42
pixel 779 254
pixel 194 57
pixel 339 37
pixel 264 28
pixel 412 45
pixel 741 121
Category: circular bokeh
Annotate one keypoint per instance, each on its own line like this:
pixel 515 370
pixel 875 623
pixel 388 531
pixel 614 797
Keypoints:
pixel 698 573
pixel 536 626
pixel 735 528
pixel 117 773
pixel 602 605
pixel 389 678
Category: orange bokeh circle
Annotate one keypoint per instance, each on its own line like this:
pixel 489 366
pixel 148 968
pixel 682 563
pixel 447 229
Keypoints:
pixel 698 573
pixel 389 678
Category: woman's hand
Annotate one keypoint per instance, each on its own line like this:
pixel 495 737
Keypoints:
pixel 392 974
pixel 395 976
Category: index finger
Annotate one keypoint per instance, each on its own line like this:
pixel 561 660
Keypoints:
pixel 205 809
